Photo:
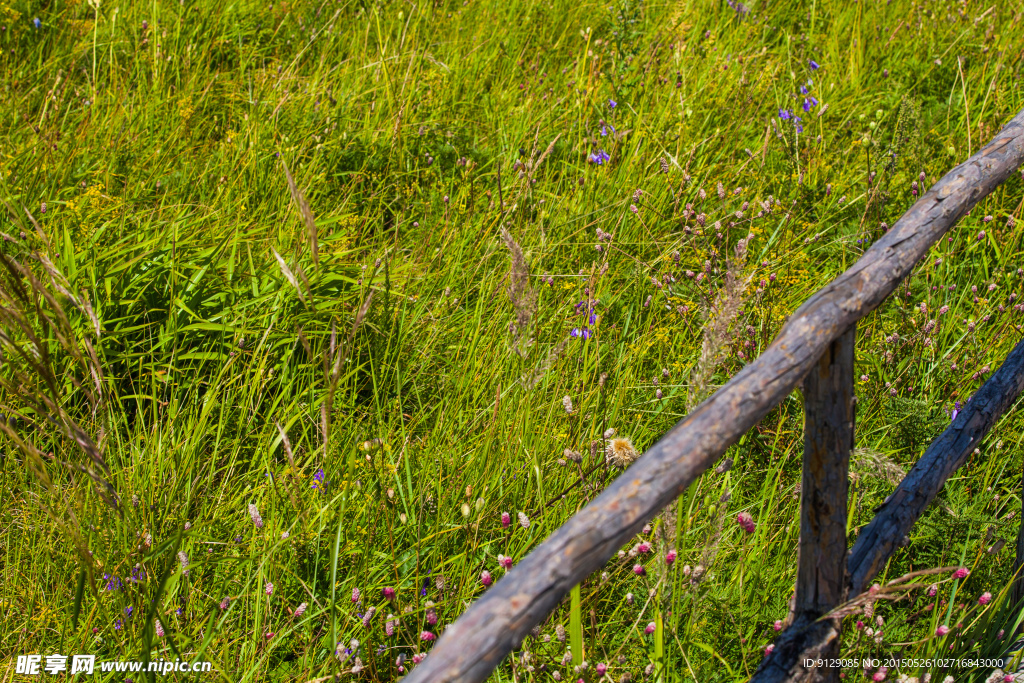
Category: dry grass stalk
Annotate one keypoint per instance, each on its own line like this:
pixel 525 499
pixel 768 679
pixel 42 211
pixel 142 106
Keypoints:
pixel 718 330
pixel 871 463
pixel 523 296
pixel 305 212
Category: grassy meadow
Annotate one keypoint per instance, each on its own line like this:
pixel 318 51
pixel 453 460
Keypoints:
pixel 300 300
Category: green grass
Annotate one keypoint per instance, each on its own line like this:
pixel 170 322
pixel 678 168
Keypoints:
pixel 232 363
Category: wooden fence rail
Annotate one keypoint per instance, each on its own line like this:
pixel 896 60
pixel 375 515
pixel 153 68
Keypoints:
pixel 497 623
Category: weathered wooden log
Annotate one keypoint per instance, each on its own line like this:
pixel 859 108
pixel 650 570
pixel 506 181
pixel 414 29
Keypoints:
pixel 496 623
pixel 881 537
pixel 828 440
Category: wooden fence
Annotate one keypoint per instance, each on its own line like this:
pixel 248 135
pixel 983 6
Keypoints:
pixel 816 347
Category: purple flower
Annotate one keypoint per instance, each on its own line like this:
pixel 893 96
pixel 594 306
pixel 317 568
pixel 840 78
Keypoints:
pixel 598 157
pixel 612 104
pixel 810 103
pixel 814 65
pixel 118 624
pixel 785 114
pixel 36 22
pixel 803 89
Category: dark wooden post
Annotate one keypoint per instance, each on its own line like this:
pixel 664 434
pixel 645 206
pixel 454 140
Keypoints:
pixel 828 439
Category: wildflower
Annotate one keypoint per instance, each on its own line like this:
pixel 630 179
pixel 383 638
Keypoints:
pixel 255 514
pixel 368 616
pixel 524 521
pixel 159 628
pixel 620 452
pixel 225 602
pixel 118 624
pixel 599 157
pixel 183 558
pixel 629 598
pixel 961 573
pixel 768 650
pixel 658 394
pixel 651 627
pixel 389 625
pixel 506 519
pixel 300 610
pixel 814 65
pixel 355 595
pixel 880 674
pixel 942 630
pixel 746 521
pixel 985 598
pixel 601 668
pixel 284 535
pixel 785 114
pixel 485 578
pixel 670 557
pixel 560 633
pixel 389 593
pixel 567 404
pixel 269 588
pixel 632 207
pixel 643 547
pixel 778 625
pixel 612 104
pixel 36 22
pixel 639 570
pixel 809 103
pixel 609 433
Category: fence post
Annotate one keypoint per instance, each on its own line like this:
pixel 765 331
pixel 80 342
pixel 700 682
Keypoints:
pixel 828 439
